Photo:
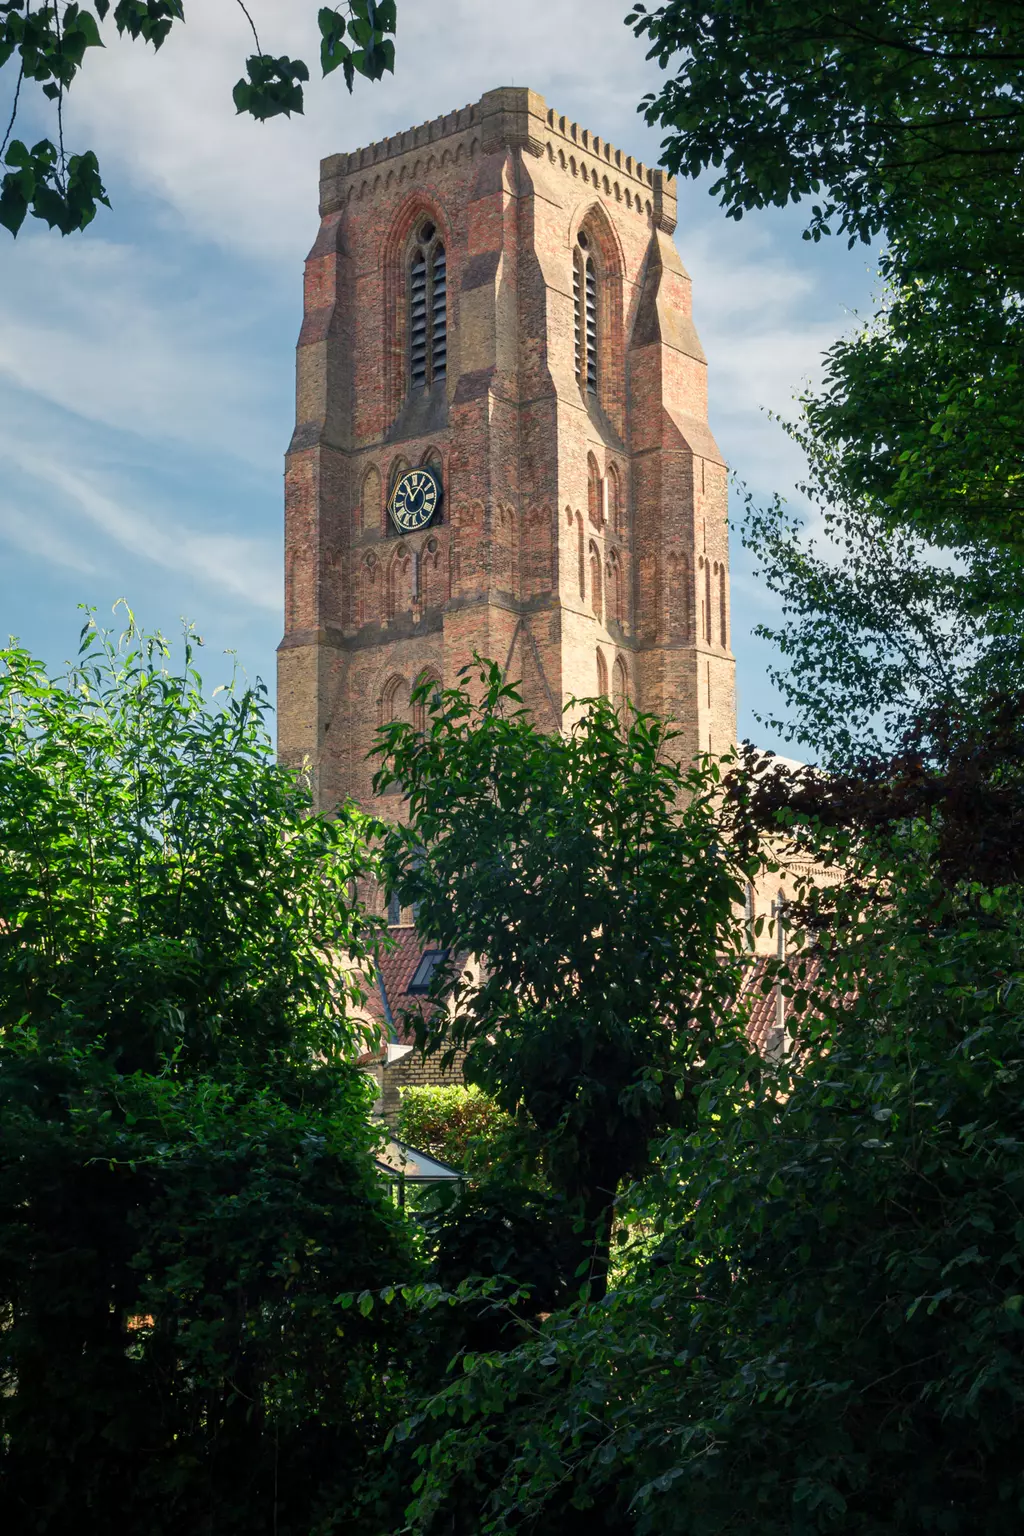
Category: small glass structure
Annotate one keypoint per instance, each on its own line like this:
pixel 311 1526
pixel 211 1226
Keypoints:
pixel 404 1165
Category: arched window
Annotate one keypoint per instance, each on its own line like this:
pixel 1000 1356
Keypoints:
pixel 620 684
pixel 369 501
pixel 428 308
pixel 399 594
pixel 647 613
pixel 678 597
pixel 580 556
pixel 593 491
pixel 723 627
pixel 432 593
pixel 707 601
pixel 369 592
pixel 595 580
pixel 602 675
pixel 613 590
pixel 613 499
pixel 394 701
pixel 584 293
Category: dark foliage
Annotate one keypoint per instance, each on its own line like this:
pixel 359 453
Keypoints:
pixel 907 123
pixel 186 1173
pixel 587 871
pixel 962 776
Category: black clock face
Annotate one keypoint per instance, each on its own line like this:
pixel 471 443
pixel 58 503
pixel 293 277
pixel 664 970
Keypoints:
pixel 415 499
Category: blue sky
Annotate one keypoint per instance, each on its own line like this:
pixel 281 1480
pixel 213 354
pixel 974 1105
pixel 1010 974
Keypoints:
pixel 146 367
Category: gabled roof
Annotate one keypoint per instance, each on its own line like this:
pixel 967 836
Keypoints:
pixel 398 967
pixel 762 1031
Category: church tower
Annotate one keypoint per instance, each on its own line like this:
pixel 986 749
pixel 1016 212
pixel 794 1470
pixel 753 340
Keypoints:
pixel 501 441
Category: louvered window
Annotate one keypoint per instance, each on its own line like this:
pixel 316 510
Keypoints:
pixel 418 322
pixel 591 311
pixel 439 313
pixel 428 310
pixel 585 326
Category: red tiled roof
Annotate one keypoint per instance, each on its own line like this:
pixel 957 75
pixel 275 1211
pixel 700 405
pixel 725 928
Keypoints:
pixel 762 1031
pixel 398 966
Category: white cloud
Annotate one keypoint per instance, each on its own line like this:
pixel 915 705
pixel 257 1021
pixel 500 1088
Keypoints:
pixel 104 330
pixel 35 536
pixel 245 568
pixel 764 322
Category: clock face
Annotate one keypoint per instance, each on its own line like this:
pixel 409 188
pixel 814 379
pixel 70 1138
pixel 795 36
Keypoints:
pixel 415 499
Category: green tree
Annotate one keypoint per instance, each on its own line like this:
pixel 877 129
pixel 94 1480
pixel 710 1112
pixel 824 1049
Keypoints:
pixel 877 632
pixel 911 125
pixel 164 885
pixel 460 1125
pixel 48 45
pixel 186 1169
pixel 827 1337
pixel 588 871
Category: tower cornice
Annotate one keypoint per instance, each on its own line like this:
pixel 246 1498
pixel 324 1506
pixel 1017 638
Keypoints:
pixel 512 117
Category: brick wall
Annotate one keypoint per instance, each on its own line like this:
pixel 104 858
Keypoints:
pixel 524 566
pixel 413 1070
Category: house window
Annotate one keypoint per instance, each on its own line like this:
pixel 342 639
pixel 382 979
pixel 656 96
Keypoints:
pixel 584 292
pixel 428 309
pixel 424 972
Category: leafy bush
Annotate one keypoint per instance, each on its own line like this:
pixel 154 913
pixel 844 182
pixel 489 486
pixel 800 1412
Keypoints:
pixel 170 1254
pixel 164 886
pixel 828 1337
pixel 459 1125
pixel 186 1173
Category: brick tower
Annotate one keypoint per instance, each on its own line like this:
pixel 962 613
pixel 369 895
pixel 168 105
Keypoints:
pixel 495 298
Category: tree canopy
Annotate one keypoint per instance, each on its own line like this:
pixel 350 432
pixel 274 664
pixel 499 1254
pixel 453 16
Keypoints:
pixel 588 871
pixel 906 124
pixel 186 1154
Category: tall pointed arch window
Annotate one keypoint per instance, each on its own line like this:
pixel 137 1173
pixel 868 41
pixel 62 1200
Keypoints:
pixel 584 293
pixel 428 308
